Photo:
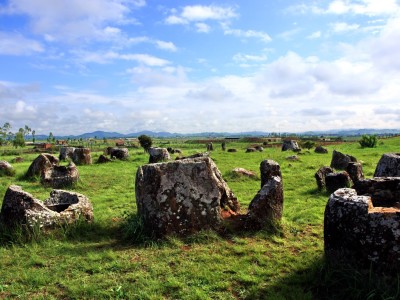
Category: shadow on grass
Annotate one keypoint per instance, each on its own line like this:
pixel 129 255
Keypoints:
pixel 320 280
pixel 134 233
pixel 80 231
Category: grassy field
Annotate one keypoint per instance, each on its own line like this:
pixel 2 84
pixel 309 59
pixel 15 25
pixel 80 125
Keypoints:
pixel 111 259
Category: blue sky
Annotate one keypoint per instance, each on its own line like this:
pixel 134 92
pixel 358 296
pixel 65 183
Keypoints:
pixel 72 66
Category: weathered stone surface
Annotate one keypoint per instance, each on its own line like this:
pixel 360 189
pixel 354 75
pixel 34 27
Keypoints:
pixel 205 154
pixel 340 160
pixel 82 156
pixel 70 206
pixel 251 150
pixel 384 191
pixel 268 169
pixel 41 164
pixel 6 168
pixel 17 159
pixel 320 176
pixel 388 165
pixel 210 147
pixel 107 151
pixel 63 207
pixel 66 152
pixel 320 149
pixel 232 150
pixel 267 206
pixel 60 176
pixel 357 232
pixel 334 181
pixel 103 159
pixel 120 153
pixel 292 158
pixel 290 145
pixel 179 151
pixel 158 155
pixel 223 146
pixel 244 172
pixel 183 196
pixel 355 171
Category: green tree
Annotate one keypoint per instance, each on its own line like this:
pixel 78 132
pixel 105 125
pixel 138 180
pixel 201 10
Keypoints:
pixel 145 141
pixel 51 138
pixel 27 130
pixel 19 140
pixel 4 133
pixel 368 141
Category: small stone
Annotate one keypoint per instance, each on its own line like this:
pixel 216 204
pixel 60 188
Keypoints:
pixel 6 168
pixel 320 149
pixel 290 145
pixel 244 172
pixel 120 153
pixel 158 155
pixel 103 159
pixel 293 158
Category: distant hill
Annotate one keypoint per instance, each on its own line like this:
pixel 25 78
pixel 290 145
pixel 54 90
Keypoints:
pixel 109 135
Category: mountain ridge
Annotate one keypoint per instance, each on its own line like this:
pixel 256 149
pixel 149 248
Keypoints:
pixel 164 134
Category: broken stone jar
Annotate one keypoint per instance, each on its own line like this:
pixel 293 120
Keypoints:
pixel 359 231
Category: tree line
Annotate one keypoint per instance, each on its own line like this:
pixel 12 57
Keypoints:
pixel 17 139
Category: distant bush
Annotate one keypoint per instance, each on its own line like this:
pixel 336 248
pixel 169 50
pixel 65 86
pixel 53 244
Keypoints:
pixel 145 141
pixel 308 144
pixel 368 141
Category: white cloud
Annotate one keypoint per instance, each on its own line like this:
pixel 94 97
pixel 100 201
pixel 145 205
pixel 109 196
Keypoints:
pixel 199 14
pixel 107 57
pixel 203 27
pixel 213 92
pixel 340 27
pixel 314 35
pixel 167 76
pixel 13 91
pixel 288 35
pixel 372 8
pixel 169 46
pixel 72 20
pixel 240 57
pixel 138 40
pixel 175 20
pixel 264 37
pixel 17 44
pixel 364 7
pixel 202 13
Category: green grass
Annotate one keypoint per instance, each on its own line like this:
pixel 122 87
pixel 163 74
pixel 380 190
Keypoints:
pixel 114 259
